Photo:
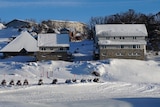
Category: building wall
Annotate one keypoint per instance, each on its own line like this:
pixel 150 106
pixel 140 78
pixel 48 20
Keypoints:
pixel 8 54
pixel 122 46
pixel 123 49
pixel 121 38
pixel 53 56
pixel 53 49
pixel 122 54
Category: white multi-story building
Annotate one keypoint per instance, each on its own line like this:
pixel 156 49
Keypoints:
pixel 121 41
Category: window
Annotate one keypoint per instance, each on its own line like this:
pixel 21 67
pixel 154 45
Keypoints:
pixel 107 38
pixel 137 54
pixel 43 48
pixel 129 54
pixel 121 37
pixel 136 46
pixel 60 48
pixel 134 37
pixel 104 54
pixel 119 54
pixel 134 54
pixel 103 47
pixel 122 46
pixel 59 56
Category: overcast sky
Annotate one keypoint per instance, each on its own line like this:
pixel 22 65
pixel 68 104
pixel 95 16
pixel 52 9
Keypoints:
pixel 73 10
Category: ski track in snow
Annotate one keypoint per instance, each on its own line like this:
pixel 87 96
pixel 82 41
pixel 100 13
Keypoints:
pixel 50 94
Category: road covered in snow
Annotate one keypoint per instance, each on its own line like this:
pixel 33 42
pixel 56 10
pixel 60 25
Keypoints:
pixel 122 83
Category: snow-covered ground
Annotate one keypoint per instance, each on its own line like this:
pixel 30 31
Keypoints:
pixel 123 83
pixel 1 26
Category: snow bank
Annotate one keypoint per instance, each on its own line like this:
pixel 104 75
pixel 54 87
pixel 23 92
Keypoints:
pixel 126 83
pixel 130 70
pixel 2 26
pixel 110 70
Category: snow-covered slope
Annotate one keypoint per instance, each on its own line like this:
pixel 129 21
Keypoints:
pixel 123 83
pixel 120 82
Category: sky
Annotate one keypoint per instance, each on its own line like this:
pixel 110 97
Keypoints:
pixel 72 10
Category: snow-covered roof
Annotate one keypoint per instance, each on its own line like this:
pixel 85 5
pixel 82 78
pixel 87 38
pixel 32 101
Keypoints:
pixel 53 40
pixel 23 41
pixel 9 32
pixel 121 30
pixel 108 42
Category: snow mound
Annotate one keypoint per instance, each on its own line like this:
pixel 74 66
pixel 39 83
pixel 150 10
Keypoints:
pixel 133 71
pixel 2 26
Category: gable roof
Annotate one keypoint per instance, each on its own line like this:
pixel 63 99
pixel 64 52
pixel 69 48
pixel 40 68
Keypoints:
pixel 23 41
pixel 53 40
pixel 17 23
pixel 121 30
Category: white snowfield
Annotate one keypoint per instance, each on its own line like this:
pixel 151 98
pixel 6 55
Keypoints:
pixel 123 83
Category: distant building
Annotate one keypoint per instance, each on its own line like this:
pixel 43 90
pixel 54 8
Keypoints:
pixel 16 23
pixel 53 47
pixel 125 41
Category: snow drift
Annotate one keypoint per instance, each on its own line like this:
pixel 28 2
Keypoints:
pixel 2 26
